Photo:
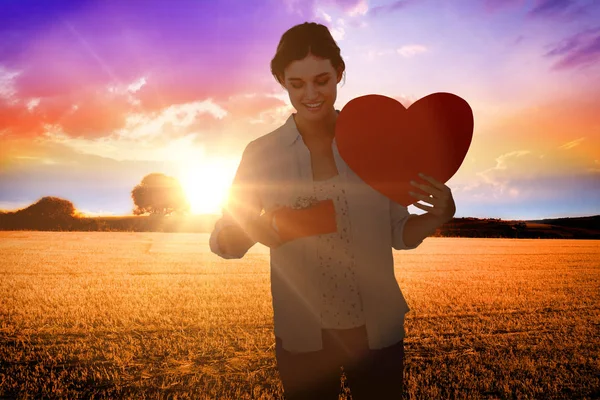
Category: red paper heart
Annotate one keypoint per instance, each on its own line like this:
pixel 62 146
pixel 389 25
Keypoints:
pixel 387 145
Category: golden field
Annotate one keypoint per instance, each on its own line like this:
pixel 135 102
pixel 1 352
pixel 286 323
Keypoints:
pixel 156 315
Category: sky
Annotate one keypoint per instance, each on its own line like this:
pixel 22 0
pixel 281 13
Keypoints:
pixel 94 95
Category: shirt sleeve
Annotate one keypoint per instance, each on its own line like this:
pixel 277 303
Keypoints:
pixel 399 215
pixel 244 202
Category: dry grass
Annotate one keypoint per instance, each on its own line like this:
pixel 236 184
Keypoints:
pixel 151 315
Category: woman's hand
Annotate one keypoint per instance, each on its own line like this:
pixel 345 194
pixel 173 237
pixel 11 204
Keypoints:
pixel 261 230
pixel 440 196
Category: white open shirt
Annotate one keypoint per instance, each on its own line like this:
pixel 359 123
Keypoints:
pixel 275 170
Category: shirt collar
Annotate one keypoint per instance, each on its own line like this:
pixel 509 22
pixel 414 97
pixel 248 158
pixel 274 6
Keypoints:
pixel 290 131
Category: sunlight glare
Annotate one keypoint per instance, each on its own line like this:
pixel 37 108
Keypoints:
pixel 206 184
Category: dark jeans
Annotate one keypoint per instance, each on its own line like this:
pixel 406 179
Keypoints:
pixel 315 375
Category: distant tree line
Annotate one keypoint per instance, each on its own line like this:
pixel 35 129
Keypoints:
pixel 159 196
pixel 156 196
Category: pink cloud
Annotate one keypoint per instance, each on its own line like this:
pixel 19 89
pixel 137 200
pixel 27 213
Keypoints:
pixel 89 114
pixel 17 120
pixel 250 106
pixel 389 8
pixel 550 7
pixel 578 50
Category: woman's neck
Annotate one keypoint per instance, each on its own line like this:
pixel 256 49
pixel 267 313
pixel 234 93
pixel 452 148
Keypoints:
pixel 317 130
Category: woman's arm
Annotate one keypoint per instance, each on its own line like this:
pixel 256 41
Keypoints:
pixel 418 228
pixel 242 225
pixel 404 235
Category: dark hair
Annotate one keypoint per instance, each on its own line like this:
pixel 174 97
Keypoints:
pixel 299 40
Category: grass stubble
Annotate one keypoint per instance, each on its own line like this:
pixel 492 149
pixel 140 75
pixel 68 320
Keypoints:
pixel 156 315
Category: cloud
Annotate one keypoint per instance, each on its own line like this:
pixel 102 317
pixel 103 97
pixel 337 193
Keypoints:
pixel 129 90
pixel 519 173
pixel 98 112
pixel 170 123
pixel 550 7
pixel 552 123
pixel 136 135
pixel 548 159
pixel 360 7
pixel 490 181
pixel 299 7
pixel 351 8
pixel 498 177
pixel 578 50
pixel 87 170
pixel 137 85
pixel 314 8
pixel 249 106
pixel 178 128
pixel 337 28
pixel 152 59
pixel 567 10
pixel 319 13
pixel 338 33
pixel 571 144
pixel 88 113
pixel 15 119
pixel 411 50
pixel 405 51
pixel 374 53
pixel 8 90
pixel 94 116
pixel 156 149
pixel 32 104
pixel 389 8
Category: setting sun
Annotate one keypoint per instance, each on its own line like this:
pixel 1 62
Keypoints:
pixel 207 183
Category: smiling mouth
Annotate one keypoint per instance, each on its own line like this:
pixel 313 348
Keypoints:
pixel 313 105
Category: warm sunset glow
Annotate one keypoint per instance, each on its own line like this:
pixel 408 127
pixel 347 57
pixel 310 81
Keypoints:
pixel 207 183
pixel 115 91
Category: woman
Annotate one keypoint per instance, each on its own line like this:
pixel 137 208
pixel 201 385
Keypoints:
pixel 336 301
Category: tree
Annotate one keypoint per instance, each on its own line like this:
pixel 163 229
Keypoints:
pixel 48 213
pixel 159 194
pixel 49 207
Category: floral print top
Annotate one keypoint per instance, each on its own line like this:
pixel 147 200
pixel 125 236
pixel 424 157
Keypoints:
pixel 341 304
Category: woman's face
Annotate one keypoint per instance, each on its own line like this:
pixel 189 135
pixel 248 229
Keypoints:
pixel 312 86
